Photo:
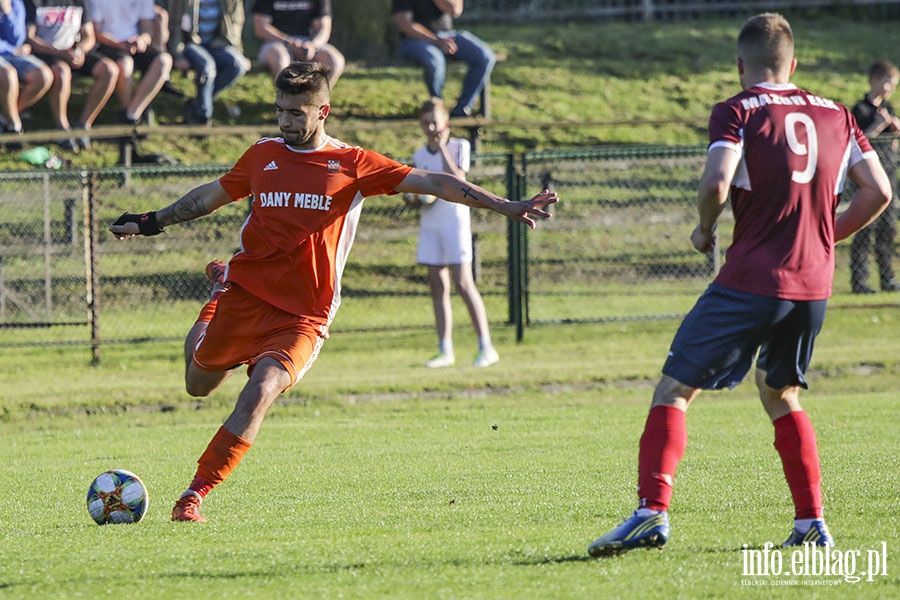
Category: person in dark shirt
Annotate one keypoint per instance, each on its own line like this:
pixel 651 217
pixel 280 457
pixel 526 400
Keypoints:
pixel 427 38
pixel 296 30
pixel 875 116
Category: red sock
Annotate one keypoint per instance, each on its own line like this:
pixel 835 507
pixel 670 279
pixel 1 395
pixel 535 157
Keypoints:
pixel 200 486
pixel 222 455
pixel 662 446
pixel 795 440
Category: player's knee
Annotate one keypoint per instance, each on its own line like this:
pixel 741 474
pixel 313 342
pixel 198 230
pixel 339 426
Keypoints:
pixel 196 389
pixel 199 384
pixel 671 392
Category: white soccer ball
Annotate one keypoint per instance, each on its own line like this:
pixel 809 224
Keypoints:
pixel 117 496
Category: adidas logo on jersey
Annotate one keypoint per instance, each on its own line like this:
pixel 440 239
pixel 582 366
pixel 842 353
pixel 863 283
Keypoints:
pixel 271 167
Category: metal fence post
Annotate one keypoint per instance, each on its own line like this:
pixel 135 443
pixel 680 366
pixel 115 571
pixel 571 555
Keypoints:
pixel 510 174
pixel 476 259
pixel 92 275
pixel 523 249
pixel 48 250
pixel 518 267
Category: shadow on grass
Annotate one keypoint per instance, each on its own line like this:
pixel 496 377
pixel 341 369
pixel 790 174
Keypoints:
pixel 553 560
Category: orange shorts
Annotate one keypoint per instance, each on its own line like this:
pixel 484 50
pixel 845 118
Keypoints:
pixel 245 329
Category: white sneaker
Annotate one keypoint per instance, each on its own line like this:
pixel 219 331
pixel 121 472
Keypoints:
pixel 444 359
pixel 486 357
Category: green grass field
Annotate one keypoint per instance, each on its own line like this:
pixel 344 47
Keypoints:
pixel 376 478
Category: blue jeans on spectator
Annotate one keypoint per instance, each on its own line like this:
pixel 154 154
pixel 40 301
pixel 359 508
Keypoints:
pixel 216 68
pixel 475 53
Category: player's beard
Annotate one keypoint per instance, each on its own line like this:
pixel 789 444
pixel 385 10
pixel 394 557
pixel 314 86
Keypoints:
pixel 298 139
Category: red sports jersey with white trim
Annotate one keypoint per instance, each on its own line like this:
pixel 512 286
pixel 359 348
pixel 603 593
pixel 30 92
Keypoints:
pixel 306 206
pixel 795 149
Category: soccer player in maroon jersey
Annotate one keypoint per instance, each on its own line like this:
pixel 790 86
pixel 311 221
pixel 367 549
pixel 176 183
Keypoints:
pixel 782 154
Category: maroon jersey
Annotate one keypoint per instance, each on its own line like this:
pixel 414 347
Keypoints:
pixel 795 150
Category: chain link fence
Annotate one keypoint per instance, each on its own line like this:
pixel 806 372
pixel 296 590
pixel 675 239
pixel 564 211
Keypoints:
pixel 617 248
pixel 42 252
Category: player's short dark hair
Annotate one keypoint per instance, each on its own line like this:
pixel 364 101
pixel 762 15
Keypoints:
pixel 883 68
pixel 305 78
pixel 766 40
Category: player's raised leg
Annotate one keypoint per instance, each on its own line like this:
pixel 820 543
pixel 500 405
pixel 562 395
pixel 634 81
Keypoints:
pixel 268 380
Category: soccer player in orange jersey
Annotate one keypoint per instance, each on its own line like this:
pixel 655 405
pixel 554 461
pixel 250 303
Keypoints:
pixel 308 189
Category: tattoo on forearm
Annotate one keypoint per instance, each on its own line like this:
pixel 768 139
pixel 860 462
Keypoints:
pixel 190 206
pixel 467 193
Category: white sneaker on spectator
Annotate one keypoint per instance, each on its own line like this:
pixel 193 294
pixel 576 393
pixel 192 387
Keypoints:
pixel 486 357
pixel 444 359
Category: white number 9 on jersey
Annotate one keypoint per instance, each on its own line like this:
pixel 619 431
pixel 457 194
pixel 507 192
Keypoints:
pixel 810 149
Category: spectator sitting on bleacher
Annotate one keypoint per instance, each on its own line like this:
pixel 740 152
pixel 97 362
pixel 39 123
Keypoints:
pixel 159 35
pixel 124 34
pixel 61 33
pixel 17 65
pixel 207 35
pixel 427 38
pixel 291 32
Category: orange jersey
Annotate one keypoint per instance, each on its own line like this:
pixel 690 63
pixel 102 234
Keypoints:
pixel 306 207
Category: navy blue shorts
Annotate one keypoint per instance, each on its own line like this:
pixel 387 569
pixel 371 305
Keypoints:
pixel 716 343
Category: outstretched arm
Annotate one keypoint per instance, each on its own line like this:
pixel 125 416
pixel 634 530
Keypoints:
pixel 198 202
pixel 454 189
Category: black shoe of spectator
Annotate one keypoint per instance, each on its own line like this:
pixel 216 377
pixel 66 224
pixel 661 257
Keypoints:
pixel 171 90
pixel 189 117
pixel 890 286
pixel 152 159
pixel 187 113
pixel 863 289
pixel 461 112
pixel 124 119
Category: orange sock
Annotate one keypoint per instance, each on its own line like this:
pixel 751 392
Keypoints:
pixel 222 455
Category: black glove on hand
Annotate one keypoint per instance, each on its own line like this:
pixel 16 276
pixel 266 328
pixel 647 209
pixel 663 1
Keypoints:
pixel 147 224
